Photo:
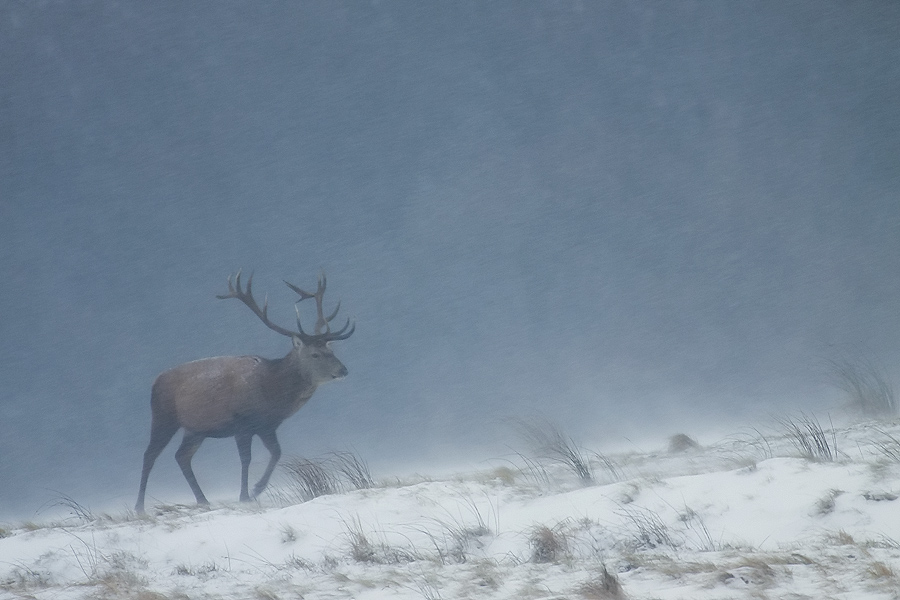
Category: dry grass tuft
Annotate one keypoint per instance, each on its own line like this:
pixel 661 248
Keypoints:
pixel 669 566
pixel 263 593
pixel 364 550
pixel 361 549
pixel 548 544
pixel 486 576
pixel 288 534
pixel 551 444
pixel 306 478
pixel 751 571
pixel 842 538
pixel 648 529
pixel 605 586
pixel 352 469
pixel 879 570
pixel 826 504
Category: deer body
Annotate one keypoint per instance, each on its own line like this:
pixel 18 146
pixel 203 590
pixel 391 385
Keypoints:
pixel 240 396
pixel 219 396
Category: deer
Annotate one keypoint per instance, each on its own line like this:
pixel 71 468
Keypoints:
pixel 242 396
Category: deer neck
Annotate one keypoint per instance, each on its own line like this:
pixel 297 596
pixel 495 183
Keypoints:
pixel 290 388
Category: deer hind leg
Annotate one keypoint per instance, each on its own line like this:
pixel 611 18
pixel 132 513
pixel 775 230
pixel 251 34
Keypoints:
pixel 244 442
pixel 270 441
pixel 160 434
pixel 183 456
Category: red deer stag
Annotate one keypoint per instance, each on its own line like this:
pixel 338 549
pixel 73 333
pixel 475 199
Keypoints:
pixel 242 396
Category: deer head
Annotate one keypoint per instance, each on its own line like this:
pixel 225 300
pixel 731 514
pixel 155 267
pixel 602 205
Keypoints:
pixel 312 353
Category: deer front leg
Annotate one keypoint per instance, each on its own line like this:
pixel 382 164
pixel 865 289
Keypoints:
pixel 244 441
pixel 183 456
pixel 270 441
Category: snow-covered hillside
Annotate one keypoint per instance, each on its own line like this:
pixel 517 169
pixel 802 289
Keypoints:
pixel 747 517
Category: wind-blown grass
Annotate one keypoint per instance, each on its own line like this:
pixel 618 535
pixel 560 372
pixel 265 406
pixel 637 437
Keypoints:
pixel 354 470
pixel 648 529
pixel 810 438
pixel 868 390
pixel 550 445
pixel 305 479
pixel 308 479
pixel 888 446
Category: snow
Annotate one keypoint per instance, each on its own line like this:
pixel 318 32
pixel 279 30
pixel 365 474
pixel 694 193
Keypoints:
pixel 746 517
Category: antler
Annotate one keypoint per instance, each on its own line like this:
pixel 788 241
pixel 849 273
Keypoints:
pixel 246 296
pixel 322 322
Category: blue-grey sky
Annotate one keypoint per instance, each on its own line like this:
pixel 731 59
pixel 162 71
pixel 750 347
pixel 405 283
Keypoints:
pixel 631 216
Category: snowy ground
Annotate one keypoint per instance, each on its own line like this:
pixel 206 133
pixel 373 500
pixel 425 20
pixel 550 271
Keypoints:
pixel 747 517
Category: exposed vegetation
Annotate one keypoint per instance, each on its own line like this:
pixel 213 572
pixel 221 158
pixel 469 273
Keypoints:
pixel 457 535
pixel 888 446
pixel 306 479
pixel 548 544
pixel 548 445
pixel 364 550
pixel 605 586
pixel 868 390
pixel 648 529
pixel 810 438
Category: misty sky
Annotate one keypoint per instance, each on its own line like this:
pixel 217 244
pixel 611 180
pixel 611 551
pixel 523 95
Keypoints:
pixel 635 217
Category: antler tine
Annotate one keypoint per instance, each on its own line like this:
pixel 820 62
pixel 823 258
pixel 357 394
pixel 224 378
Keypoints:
pixel 303 335
pixel 249 290
pixel 231 291
pixel 245 295
pixel 334 313
pixel 322 322
pixel 342 336
pixel 342 329
pixel 303 295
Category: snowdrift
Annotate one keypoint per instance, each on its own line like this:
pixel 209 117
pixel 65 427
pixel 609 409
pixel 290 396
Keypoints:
pixel 795 513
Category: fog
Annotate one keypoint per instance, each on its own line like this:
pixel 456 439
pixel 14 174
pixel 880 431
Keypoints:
pixel 633 218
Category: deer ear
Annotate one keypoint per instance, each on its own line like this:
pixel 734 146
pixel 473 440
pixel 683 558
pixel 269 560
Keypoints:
pixel 298 343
